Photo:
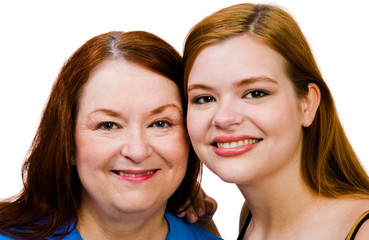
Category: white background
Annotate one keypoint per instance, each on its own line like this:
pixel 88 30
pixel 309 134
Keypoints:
pixel 38 36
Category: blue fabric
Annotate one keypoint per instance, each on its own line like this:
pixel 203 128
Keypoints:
pixel 2 237
pixel 179 229
pixel 74 235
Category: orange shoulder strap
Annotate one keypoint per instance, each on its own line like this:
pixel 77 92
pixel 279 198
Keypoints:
pixel 357 225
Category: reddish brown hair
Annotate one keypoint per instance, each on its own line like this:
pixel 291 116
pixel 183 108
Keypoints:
pixel 51 184
pixel 329 165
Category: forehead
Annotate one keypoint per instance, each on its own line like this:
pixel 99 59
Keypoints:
pixel 117 82
pixel 239 57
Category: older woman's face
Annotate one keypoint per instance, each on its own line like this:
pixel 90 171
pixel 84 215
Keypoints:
pixel 132 146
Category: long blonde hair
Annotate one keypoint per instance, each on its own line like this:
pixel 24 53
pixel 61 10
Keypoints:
pixel 329 165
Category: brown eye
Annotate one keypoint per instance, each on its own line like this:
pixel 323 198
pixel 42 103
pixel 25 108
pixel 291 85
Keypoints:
pixel 203 99
pixel 255 94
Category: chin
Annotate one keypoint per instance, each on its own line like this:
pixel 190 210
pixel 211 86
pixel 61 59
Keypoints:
pixel 226 176
pixel 241 176
pixel 230 179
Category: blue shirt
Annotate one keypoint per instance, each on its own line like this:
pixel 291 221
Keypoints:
pixel 179 229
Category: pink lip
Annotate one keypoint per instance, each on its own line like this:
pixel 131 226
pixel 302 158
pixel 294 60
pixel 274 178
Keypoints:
pixel 235 151
pixel 141 175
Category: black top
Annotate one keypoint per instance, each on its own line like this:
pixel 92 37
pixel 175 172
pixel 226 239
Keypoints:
pixel 244 227
pixel 351 235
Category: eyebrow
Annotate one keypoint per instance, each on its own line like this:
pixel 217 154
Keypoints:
pixel 198 86
pixel 251 80
pixel 106 111
pixel 243 82
pixel 157 110
pixel 163 107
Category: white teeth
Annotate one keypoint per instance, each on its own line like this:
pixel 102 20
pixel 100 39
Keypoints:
pixel 124 174
pixel 237 144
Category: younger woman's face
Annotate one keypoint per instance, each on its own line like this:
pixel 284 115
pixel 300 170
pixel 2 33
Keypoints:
pixel 132 146
pixel 244 118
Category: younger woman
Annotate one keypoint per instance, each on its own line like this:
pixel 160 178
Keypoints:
pixel 261 116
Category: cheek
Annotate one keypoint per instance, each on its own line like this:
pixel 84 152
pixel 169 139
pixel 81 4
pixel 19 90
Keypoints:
pixel 91 151
pixel 282 129
pixel 85 158
pixel 181 149
pixel 196 125
pixel 84 148
pixel 288 118
pixel 279 116
pixel 174 149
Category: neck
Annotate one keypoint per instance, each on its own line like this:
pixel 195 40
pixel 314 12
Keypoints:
pixel 96 224
pixel 277 203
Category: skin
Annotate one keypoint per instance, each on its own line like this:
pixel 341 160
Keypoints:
pixel 115 134
pixel 201 212
pixel 240 90
pixel 227 102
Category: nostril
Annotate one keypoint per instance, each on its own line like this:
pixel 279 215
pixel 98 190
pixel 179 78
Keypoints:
pixel 226 117
pixel 136 151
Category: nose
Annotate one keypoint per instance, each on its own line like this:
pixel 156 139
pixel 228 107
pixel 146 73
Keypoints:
pixel 136 146
pixel 227 115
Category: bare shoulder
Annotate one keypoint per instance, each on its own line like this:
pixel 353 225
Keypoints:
pixel 363 233
pixel 243 215
pixel 361 209
pixel 361 206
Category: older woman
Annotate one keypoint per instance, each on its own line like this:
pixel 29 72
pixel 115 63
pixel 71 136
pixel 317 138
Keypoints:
pixel 269 124
pixel 110 156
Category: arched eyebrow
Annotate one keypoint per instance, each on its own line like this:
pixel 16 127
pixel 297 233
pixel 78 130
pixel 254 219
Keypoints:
pixel 107 112
pixel 251 80
pixel 164 107
pixel 242 82
pixel 198 86
pixel 157 110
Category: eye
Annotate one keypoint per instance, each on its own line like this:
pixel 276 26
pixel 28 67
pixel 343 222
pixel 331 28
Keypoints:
pixel 161 124
pixel 255 94
pixel 203 99
pixel 107 126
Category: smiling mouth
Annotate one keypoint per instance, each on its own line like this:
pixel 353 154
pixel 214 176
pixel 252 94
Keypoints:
pixel 131 174
pixel 236 143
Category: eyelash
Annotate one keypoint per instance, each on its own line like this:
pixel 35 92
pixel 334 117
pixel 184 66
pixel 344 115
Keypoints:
pixel 201 100
pixel 107 126
pixel 155 124
pixel 259 94
pixel 206 99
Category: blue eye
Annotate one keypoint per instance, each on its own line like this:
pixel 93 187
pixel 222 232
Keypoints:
pixel 161 124
pixel 255 94
pixel 108 126
pixel 203 99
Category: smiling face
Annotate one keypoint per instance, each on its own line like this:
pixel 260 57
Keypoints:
pixel 244 118
pixel 131 141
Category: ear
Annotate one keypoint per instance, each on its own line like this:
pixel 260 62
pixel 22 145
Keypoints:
pixel 310 104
